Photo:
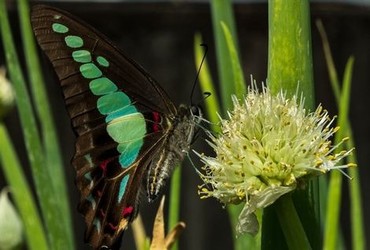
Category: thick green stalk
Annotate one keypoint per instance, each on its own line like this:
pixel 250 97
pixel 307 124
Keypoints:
pixel 289 70
pixel 289 220
pixel 52 151
pixel 21 192
pixel 290 55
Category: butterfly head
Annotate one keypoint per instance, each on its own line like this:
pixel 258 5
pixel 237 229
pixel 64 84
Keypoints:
pixel 197 113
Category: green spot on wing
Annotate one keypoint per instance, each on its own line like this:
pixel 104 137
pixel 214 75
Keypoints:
pixel 112 102
pixel 129 152
pixel 122 187
pixel 97 224
pixel 59 28
pixel 74 41
pixel 81 56
pixel 127 110
pixel 102 61
pixel 128 131
pixel 102 86
pixel 90 71
pixel 92 201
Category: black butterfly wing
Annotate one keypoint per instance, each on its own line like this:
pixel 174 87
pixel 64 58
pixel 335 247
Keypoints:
pixel 119 113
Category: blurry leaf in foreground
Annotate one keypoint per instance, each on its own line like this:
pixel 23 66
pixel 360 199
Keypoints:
pixel 7 95
pixel 10 223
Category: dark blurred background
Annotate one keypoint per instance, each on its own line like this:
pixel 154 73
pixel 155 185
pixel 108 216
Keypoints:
pixel 160 36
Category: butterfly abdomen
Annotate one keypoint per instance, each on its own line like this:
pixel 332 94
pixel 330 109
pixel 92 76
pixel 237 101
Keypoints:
pixel 175 148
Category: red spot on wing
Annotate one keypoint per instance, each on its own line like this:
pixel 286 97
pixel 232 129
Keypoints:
pixel 156 121
pixel 127 211
pixel 102 214
pixel 103 165
pixel 112 227
pixel 99 193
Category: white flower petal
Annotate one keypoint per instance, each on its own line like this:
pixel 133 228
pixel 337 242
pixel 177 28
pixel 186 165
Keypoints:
pixel 247 220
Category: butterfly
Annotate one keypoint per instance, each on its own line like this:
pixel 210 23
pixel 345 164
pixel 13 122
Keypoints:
pixel 129 133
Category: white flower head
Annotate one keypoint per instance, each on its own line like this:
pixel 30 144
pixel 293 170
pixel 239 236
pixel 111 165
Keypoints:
pixel 269 144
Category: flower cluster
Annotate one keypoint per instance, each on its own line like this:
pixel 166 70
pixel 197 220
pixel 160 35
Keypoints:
pixel 268 146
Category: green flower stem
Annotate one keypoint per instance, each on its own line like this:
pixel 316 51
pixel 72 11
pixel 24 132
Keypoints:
pixel 290 69
pixel 52 151
pixel 293 230
pixel 290 56
pixel 174 206
pixel 21 193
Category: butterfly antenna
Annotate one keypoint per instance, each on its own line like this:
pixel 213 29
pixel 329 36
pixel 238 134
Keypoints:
pixel 197 76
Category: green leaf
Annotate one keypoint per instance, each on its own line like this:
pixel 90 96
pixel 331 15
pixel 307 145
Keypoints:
pixel 50 141
pixel 231 82
pixel 357 221
pixel 174 204
pixel 334 189
pixel 212 103
pixel 51 212
pixel 290 70
pixel 222 12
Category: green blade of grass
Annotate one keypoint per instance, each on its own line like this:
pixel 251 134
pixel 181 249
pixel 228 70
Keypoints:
pixel 212 103
pixel 357 218
pixel 237 72
pixel 329 61
pixel 21 193
pixel 222 12
pixel 213 107
pixel 334 189
pixel 44 189
pixel 357 221
pixel 174 203
pixel 52 151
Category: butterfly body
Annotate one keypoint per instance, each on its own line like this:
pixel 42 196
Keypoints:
pixel 173 152
pixel 129 133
